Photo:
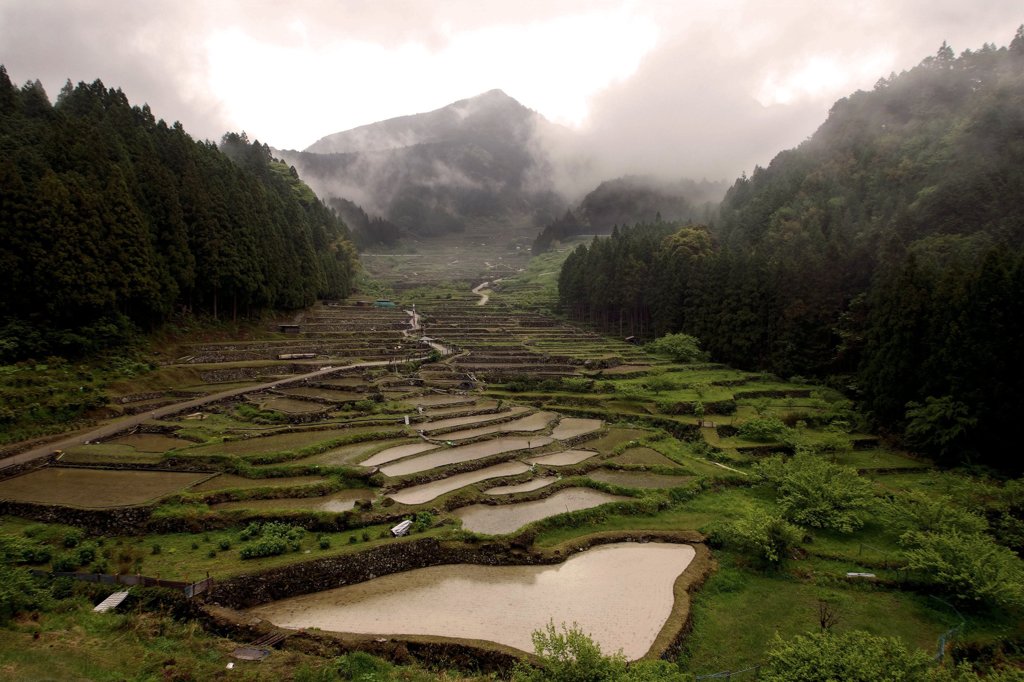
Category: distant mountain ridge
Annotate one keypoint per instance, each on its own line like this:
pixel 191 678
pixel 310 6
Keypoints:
pixel 473 161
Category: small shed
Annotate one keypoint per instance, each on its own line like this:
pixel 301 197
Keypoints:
pixel 401 529
pixel 288 328
pixel 384 303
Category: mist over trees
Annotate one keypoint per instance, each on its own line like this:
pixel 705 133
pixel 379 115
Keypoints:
pixel 111 219
pixel 632 199
pixel 885 252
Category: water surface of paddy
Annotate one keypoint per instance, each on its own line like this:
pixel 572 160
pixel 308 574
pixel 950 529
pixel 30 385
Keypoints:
pixel 599 589
pixel 561 459
pixel 472 419
pixel 534 422
pixel 397 452
pixel 424 493
pixel 534 484
pixel 463 453
pixel 571 427
pixel 501 519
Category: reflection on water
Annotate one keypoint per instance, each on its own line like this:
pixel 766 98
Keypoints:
pixel 496 520
pixel 424 493
pixel 601 589
pixel 462 453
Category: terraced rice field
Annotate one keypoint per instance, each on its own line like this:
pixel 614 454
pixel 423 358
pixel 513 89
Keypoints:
pixel 533 484
pixel 429 491
pixel 334 503
pixel 501 519
pixel 463 453
pixel 564 458
pixel 95 488
pixel 643 457
pixel 231 482
pixel 637 479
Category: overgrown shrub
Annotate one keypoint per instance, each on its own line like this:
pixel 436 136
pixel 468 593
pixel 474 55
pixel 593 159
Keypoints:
pixel 763 429
pixel 763 536
pixel 816 493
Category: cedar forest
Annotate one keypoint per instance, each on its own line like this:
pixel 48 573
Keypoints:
pixel 885 254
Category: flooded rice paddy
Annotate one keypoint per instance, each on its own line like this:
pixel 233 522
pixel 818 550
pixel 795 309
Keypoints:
pixel 472 419
pixel 599 589
pixel 397 452
pixel 463 453
pixel 534 484
pixel 501 519
pixel 571 427
pixel 94 488
pixel 561 459
pixel 428 491
pixel 534 422
pixel 336 502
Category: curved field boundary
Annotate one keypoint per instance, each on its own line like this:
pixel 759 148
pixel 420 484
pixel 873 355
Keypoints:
pixel 315 576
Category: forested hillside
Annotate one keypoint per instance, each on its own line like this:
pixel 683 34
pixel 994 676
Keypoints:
pixel 887 251
pixel 110 218
pixel 632 199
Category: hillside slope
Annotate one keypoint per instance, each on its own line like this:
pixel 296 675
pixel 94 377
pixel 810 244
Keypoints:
pixel 437 172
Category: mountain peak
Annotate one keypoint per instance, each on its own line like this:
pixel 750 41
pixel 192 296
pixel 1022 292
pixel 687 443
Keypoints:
pixel 488 113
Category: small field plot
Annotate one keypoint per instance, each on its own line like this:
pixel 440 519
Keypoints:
pixel 324 394
pixel 535 484
pixel 347 454
pixel 283 441
pixel 336 502
pixel 638 479
pixel 463 453
pixel 397 452
pixel 643 457
pixel 616 437
pixel 229 481
pixel 571 427
pixel 561 459
pixel 498 520
pixel 534 422
pixel 429 491
pixel 879 458
pixel 453 422
pixel 95 488
pixel 292 406
pixel 439 399
pixel 151 442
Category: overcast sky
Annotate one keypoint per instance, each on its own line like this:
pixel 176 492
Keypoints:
pixel 683 87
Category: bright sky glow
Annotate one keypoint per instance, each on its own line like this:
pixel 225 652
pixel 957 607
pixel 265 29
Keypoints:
pixel 554 66
pixel 670 86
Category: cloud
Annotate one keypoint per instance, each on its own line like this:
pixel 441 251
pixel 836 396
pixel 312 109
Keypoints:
pixel 682 87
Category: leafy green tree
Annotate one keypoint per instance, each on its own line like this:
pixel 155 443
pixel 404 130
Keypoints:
pixel 971 567
pixel 815 493
pixel 941 426
pixel 570 655
pixel 677 347
pixel 765 536
pixel 852 656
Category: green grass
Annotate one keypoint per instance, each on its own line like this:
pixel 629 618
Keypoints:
pixel 739 612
